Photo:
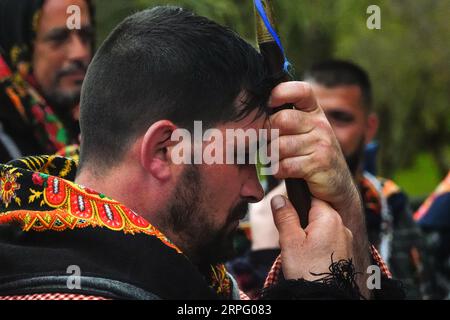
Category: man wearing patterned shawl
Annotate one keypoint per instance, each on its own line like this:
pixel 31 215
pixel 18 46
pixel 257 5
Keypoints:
pixel 42 66
pixel 133 222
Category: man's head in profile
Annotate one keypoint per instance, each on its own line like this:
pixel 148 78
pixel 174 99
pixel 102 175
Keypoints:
pixel 159 70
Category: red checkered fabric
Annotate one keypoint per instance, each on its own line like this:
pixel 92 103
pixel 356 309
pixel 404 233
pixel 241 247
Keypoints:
pixel 272 277
pixel 243 296
pixel 52 296
pixel 380 262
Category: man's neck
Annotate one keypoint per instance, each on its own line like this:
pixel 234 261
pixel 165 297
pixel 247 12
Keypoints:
pixel 109 183
pixel 127 185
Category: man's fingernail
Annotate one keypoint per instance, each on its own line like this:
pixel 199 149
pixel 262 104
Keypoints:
pixel 278 202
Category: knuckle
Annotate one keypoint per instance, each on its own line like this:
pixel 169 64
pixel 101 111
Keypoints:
pixel 349 234
pixel 324 145
pixel 283 118
pixel 285 216
pixel 305 88
pixel 338 219
pixel 283 146
pixel 335 219
pixel 296 116
pixel 289 121
pixel 321 158
pixel 287 146
pixel 285 167
pixel 324 128
pixel 322 124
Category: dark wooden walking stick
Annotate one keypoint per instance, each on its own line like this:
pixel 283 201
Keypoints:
pixel 273 52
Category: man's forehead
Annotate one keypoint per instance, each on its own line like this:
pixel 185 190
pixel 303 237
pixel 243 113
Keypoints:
pixel 54 14
pixel 349 96
pixel 248 130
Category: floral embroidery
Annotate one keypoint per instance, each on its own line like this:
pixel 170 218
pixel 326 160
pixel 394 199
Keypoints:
pixel 38 178
pixel 220 281
pixel 8 188
pixel 66 205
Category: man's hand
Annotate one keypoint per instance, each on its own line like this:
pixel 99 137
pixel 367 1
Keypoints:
pixel 308 149
pixel 306 251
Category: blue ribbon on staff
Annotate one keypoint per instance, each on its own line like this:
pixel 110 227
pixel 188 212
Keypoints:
pixel 262 13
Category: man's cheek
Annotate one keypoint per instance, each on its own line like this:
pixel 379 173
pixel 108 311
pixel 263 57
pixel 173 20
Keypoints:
pixel 44 72
pixel 342 137
pixel 348 137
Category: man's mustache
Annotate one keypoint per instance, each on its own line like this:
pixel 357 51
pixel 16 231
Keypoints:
pixel 74 67
pixel 238 212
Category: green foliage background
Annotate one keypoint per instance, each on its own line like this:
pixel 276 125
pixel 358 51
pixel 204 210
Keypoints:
pixel 408 61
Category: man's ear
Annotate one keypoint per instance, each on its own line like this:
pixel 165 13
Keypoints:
pixel 154 149
pixel 372 127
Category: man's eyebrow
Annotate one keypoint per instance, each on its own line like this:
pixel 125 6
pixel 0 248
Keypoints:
pixel 339 110
pixel 54 33
pixel 341 114
pixel 62 31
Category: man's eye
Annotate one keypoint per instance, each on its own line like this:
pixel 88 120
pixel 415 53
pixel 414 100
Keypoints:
pixel 86 34
pixel 57 38
pixel 340 117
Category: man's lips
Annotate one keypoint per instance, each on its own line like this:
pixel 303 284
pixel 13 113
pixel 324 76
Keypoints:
pixel 239 212
pixel 76 75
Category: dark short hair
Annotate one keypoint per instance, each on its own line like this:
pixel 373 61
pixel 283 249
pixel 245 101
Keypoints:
pixel 334 73
pixel 166 63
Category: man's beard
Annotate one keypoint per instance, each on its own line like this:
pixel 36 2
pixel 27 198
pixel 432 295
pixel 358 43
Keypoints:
pixel 191 222
pixel 64 105
pixel 355 159
pixel 65 101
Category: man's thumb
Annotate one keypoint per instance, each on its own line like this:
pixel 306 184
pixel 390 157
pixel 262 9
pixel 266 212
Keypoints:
pixel 286 218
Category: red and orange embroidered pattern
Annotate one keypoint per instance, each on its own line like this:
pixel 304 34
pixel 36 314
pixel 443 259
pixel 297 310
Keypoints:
pixel 67 206
pixel 77 207
pixel 370 196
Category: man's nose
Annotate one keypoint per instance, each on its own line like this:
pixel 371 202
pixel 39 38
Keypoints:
pixel 78 49
pixel 252 189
